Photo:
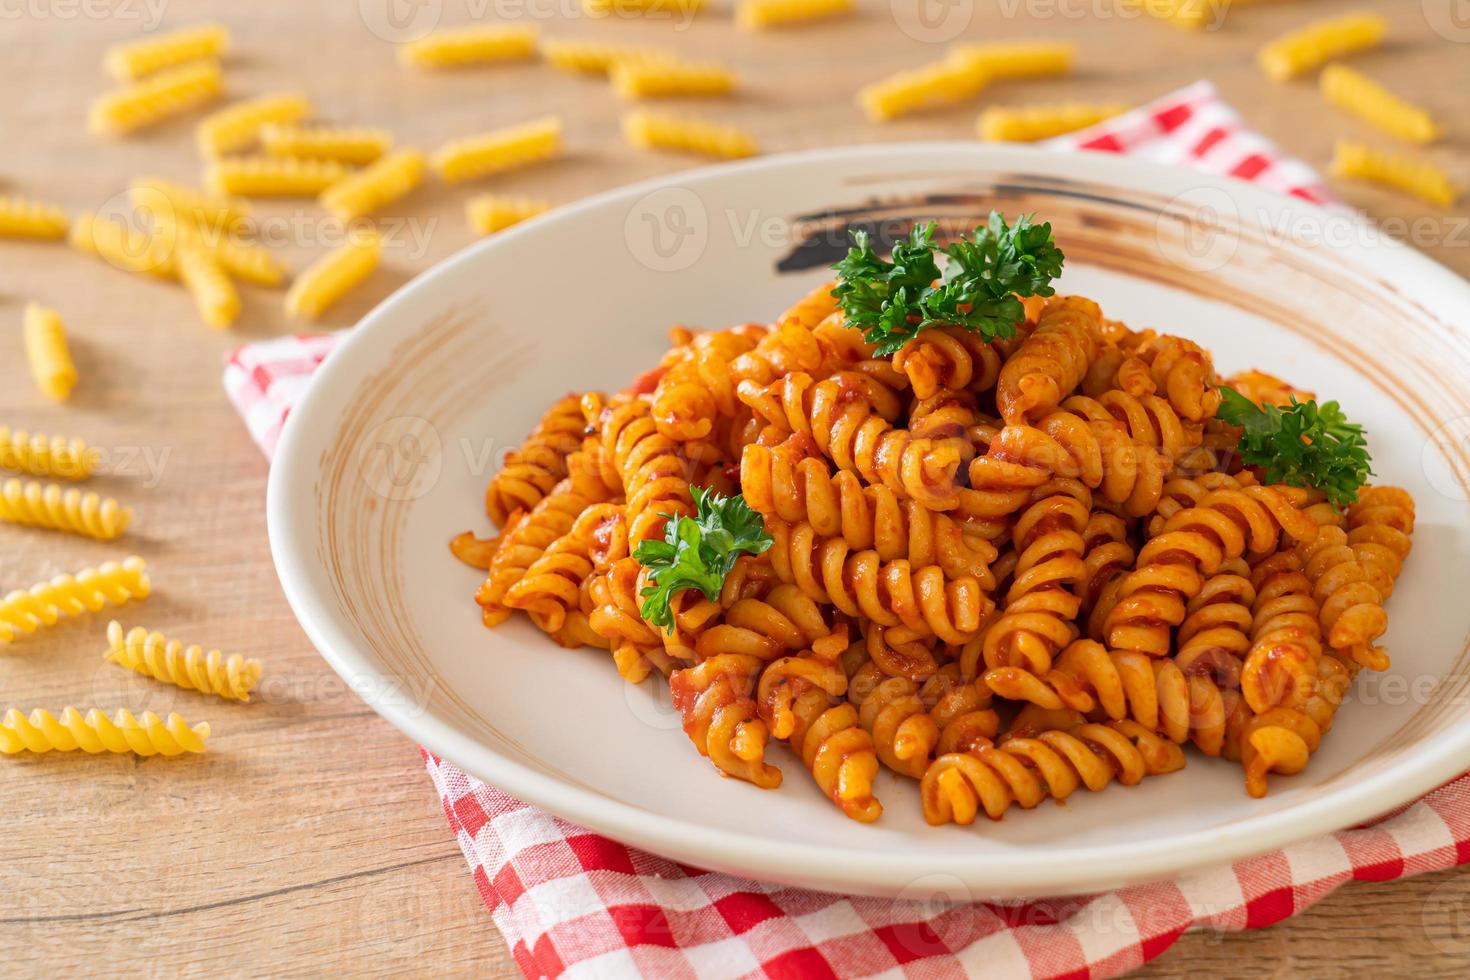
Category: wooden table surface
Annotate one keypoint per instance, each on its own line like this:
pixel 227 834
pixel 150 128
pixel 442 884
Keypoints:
pixel 308 840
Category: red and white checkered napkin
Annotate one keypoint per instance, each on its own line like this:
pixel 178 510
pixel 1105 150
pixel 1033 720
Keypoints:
pixel 571 902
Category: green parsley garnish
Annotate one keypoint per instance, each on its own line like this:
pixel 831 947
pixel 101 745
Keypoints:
pixel 1303 444
pixel 891 301
pixel 698 552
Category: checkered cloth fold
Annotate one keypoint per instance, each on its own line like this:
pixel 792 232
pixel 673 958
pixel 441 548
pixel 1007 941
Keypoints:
pixel 570 902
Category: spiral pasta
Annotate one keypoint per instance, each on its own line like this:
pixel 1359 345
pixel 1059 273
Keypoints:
pixel 1355 92
pixel 26 610
pixel 50 456
pixel 94 732
pixel 690 135
pixel 595 57
pixel 166 200
pixel 356 146
pixel 262 176
pixel 122 246
pixel 942 83
pixel 215 296
pixel 241 259
pixel 489 213
pixel 1031 123
pixel 21 218
pixel 477 44
pixel 168 93
pixel 499 150
pixel 375 186
pixel 154 655
pixel 1052 362
pixel 133 60
pixel 238 126
pixel 714 699
pixel 646 79
pixel 1419 178
pixel 333 276
pixel 756 15
pixel 1317 43
pixel 47 352
pixel 1018 59
pixel 530 472
pixel 47 505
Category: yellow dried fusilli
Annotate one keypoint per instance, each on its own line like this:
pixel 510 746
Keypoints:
pixel 47 505
pixel 236 127
pixel 376 185
pixel 596 57
pixel 42 455
pixel 1420 178
pixel 754 15
pixel 137 59
pixel 658 131
pixel 169 93
pixel 1017 59
pixel 1192 14
pixel 47 352
pixel 475 45
pixel 94 733
pixel 157 196
pixel 604 8
pixel 215 296
pixel 241 259
pixel 1320 42
pixel 122 246
pixel 355 145
pixel 657 79
pixel 261 176
pixel 45 603
pixel 499 150
pixel 155 655
pixel 20 218
pixel 333 276
pixel 489 213
pixel 1349 89
pixel 1026 124
pixel 941 83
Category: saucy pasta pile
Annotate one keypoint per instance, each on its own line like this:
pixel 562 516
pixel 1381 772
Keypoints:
pixel 944 521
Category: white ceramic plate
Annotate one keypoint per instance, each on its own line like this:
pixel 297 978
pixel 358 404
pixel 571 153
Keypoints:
pixel 388 455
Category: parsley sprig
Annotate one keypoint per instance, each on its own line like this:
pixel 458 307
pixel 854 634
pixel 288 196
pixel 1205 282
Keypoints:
pixel 698 552
pixel 1303 444
pixel 892 300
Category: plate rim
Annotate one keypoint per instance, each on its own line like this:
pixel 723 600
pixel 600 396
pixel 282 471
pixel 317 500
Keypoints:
pixel 1026 872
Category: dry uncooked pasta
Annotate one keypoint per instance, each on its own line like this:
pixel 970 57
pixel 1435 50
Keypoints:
pixel 122 246
pixel 475 45
pixel 1413 176
pixel 20 218
pixel 942 83
pixel 754 15
pixel 1192 14
pixel 499 150
pixel 169 93
pixel 1363 97
pixel 237 127
pixel 25 611
pixel 133 60
pixel 645 8
pixel 1017 59
pixel 41 455
pixel 660 131
pixel 167 199
pixel 47 505
pixel 262 176
pixel 356 145
pixel 154 655
pixel 240 258
pixel 376 185
pixel 489 213
pixel 1031 123
pixel 1320 42
pixel 333 276
pixel 145 734
pixel 215 296
pixel 47 352
pixel 596 57
pixel 659 79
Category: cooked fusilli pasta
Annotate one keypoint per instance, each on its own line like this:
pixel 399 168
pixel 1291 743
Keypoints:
pixel 47 352
pixel 26 610
pixel 133 60
pixel 499 150
pixel 477 44
pixel 94 732
pixel 1320 42
pixel 334 275
pixel 1413 176
pixel 169 93
pixel 20 218
pixel 154 655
